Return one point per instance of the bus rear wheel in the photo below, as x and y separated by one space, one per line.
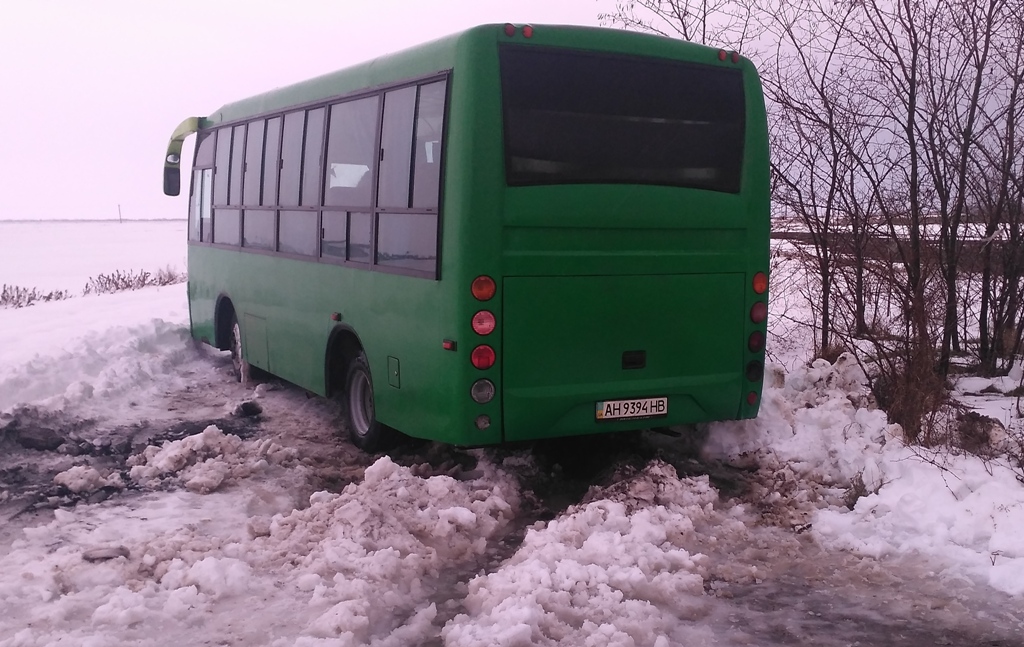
366 432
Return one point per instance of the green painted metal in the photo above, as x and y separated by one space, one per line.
584 272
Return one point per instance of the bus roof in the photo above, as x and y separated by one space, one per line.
440 54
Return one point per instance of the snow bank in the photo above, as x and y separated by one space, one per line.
358 567
817 421
623 569
371 553
819 424
962 509
100 349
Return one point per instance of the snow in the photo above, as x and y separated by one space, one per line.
268 531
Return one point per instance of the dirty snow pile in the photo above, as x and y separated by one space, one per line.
817 434
354 568
201 463
623 569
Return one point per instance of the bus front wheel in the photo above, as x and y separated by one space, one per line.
241 367
366 431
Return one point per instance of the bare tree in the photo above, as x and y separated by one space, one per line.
721 23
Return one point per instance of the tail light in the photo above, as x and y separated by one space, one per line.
755 371
483 322
528 31
759 312
760 283
756 341
482 391
484 288
752 398
483 357
510 29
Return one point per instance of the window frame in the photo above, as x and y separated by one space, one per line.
374 209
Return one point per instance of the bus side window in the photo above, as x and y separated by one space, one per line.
350 153
429 135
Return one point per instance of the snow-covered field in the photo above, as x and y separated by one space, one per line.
150 500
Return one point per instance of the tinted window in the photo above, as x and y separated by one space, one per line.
335 234
258 229
204 149
237 164
427 154
311 157
298 233
291 159
206 206
253 163
351 152
572 117
407 240
195 200
220 178
199 205
396 148
225 226
360 234
271 161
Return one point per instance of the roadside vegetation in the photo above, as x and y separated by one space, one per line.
898 178
13 296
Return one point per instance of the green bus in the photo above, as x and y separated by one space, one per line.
512 233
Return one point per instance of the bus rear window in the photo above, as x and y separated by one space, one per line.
582 118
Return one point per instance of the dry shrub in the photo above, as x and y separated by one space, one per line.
120 281
831 352
14 296
913 393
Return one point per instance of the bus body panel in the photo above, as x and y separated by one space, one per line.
572 341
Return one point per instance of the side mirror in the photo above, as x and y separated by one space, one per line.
172 161
172 180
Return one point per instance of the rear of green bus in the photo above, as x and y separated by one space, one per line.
607 198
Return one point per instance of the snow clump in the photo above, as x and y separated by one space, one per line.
82 478
203 462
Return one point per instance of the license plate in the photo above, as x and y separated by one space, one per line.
631 409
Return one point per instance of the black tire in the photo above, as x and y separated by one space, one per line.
366 432
240 366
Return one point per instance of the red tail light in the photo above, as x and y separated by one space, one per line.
758 312
756 341
484 288
760 283
751 398
735 57
510 29
528 31
482 357
483 322
722 54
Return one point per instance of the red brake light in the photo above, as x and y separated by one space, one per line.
482 357
722 54
483 322
756 341
751 398
483 288
510 29
528 31
735 57
758 312
760 283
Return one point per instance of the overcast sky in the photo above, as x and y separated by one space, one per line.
91 91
